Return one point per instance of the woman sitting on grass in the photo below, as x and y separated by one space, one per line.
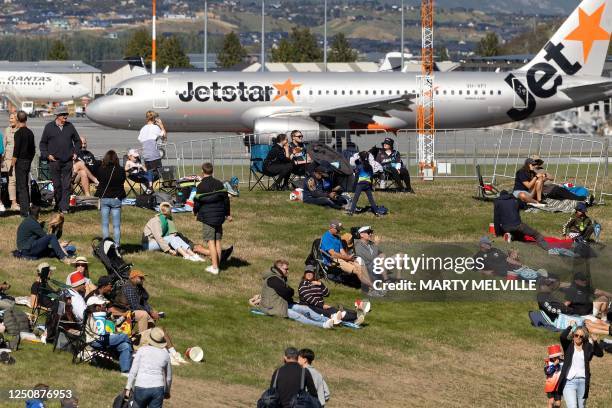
161 233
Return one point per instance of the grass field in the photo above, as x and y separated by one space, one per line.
417 354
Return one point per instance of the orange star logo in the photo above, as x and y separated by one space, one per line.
589 30
286 89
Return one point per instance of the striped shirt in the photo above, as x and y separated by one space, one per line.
311 294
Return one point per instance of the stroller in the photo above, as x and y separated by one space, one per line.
106 251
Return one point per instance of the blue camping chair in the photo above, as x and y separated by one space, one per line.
259 152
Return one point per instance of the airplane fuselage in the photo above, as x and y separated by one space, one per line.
232 102
40 86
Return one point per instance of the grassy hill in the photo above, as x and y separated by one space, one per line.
421 354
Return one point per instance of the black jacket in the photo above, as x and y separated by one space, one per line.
114 178
25 148
276 155
61 143
29 231
589 349
552 306
211 204
505 212
288 382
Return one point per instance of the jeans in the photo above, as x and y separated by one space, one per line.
174 241
22 185
524 229
323 201
350 316
305 315
111 206
149 397
61 176
143 177
40 248
282 172
573 393
121 343
366 188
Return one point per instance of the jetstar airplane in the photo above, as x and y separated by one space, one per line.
40 86
566 73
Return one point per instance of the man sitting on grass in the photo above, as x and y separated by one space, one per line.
586 300
318 191
277 299
34 242
493 259
312 293
135 297
160 233
507 220
334 254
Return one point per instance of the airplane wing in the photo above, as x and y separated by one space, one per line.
367 110
586 92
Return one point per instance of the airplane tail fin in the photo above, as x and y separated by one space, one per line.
580 45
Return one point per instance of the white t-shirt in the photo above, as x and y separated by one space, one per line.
577 368
148 137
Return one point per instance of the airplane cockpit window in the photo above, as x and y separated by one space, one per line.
111 92
120 91
129 92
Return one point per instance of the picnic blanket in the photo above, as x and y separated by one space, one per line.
552 205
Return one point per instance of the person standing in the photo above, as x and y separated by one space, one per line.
150 133
7 162
575 378
60 144
212 209
111 192
305 359
150 376
23 154
288 377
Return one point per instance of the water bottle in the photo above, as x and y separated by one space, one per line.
597 231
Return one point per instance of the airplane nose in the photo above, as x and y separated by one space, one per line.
98 111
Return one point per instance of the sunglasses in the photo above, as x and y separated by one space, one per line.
576 335
80 264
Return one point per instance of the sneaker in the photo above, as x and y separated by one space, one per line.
15 207
197 258
537 205
225 254
329 324
2 209
213 270
125 374
363 305
336 318
230 189
360 318
508 237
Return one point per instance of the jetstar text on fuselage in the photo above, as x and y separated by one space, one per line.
226 93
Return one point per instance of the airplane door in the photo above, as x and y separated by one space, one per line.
57 86
520 94
160 98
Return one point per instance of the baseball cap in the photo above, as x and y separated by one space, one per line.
485 241
96 300
529 160
365 228
104 280
137 272
77 279
133 152
309 269
581 207
537 159
44 265
388 141
61 110
321 169
335 224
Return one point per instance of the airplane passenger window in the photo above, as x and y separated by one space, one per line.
460 92
468 92
327 92
444 92
350 92
310 92
359 92
73 83
335 92
499 92
398 91
343 92
373 92
298 92
366 92
437 92
491 92
453 92
319 92
129 92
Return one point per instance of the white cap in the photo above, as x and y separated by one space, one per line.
96 300
133 152
364 229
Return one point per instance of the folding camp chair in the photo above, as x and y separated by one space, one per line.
133 186
167 180
259 152
485 191
330 272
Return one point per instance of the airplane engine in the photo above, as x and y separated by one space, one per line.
266 128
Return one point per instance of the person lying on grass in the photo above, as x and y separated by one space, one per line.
277 299
312 293
585 299
560 315
160 233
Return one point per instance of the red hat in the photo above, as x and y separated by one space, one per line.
554 351
77 279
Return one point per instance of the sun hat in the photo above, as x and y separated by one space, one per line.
157 338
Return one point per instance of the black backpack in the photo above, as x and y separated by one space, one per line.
270 398
303 399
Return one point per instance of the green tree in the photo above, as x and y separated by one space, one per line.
341 51
58 51
139 44
232 53
301 46
172 54
488 46
442 53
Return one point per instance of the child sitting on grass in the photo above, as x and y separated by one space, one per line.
580 226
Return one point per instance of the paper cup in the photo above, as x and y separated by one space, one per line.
195 354
491 228
100 322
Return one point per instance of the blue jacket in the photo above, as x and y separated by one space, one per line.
505 212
